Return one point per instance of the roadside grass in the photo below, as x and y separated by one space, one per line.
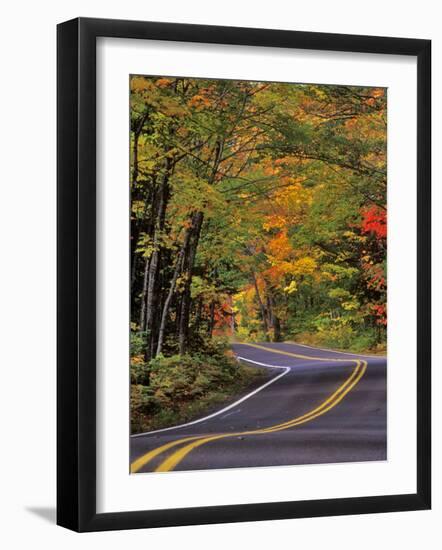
347 340
364 343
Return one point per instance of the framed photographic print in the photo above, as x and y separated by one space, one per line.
225 273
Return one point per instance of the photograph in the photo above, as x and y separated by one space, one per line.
258 269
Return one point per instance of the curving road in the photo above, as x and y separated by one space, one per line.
316 406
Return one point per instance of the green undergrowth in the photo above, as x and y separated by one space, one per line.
343 340
176 389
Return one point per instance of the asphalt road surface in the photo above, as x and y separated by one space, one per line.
316 406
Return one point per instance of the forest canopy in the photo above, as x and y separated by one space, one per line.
258 212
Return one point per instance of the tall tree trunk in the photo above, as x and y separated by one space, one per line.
143 297
269 311
136 227
178 268
274 319
276 329
135 230
152 278
155 260
178 305
133 272
261 306
232 322
211 319
198 313
197 221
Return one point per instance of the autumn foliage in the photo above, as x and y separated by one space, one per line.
374 221
258 212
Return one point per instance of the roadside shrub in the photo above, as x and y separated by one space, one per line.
174 389
340 333
252 333
335 332
142 404
139 371
179 378
137 343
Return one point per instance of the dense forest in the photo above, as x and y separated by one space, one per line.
258 213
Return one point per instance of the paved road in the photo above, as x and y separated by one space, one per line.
317 406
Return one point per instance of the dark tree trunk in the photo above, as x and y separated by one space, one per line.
273 318
143 297
276 324
232 323
133 272
189 260
178 315
211 319
269 311
138 225
261 306
178 268
138 307
154 263
135 225
198 314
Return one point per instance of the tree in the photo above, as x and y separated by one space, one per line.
256 208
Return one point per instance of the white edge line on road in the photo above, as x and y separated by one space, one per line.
232 405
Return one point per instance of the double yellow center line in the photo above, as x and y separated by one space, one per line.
188 444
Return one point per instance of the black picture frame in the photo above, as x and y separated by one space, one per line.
76 272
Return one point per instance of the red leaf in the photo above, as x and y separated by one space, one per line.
374 220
